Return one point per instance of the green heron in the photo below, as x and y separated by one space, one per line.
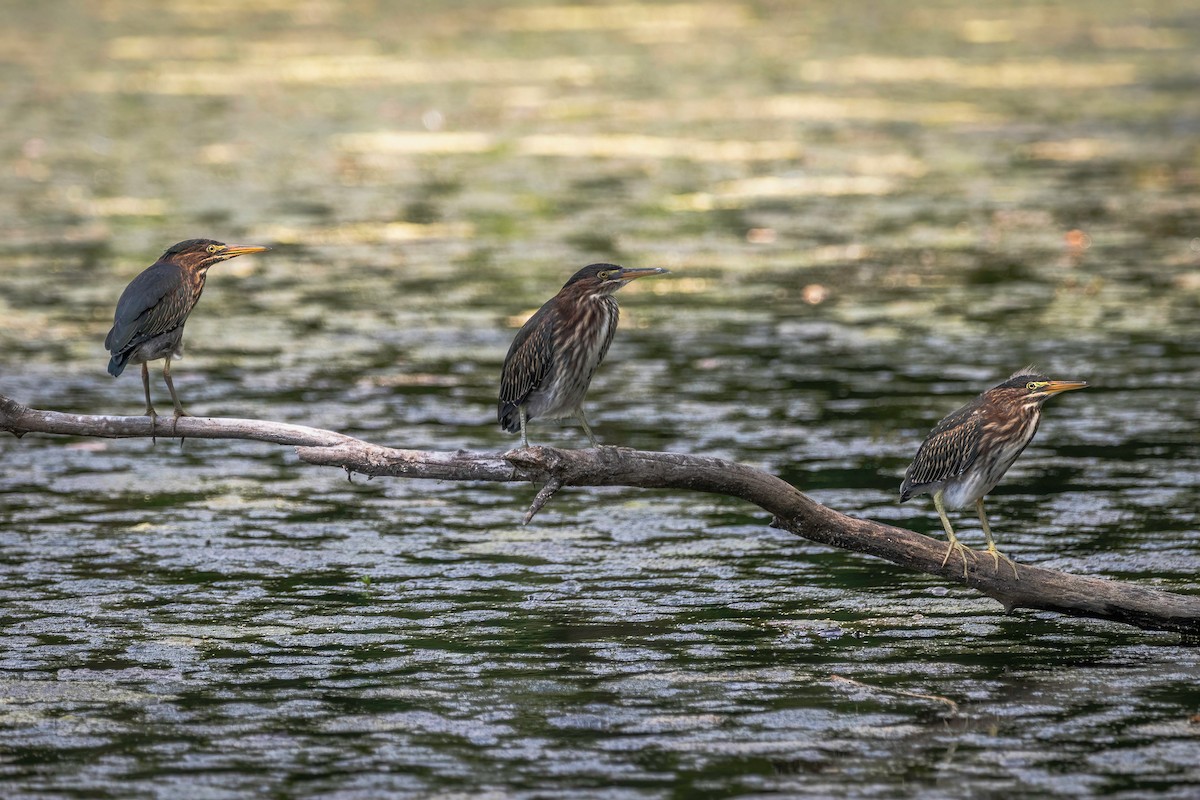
148 324
968 452
555 354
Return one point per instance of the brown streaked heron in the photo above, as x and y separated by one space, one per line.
556 352
967 453
148 323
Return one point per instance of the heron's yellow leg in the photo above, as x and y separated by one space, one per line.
524 421
954 542
991 547
586 429
150 412
179 412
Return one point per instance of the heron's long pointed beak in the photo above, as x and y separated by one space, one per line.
243 250
633 274
1054 387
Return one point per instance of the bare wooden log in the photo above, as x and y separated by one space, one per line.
1037 588
19 420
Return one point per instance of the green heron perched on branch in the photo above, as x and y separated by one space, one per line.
552 359
148 324
968 452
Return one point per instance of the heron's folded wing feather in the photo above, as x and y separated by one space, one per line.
155 302
529 360
949 450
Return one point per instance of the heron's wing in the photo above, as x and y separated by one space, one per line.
949 451
529 361
155 302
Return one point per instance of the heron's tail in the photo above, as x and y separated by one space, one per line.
116 364
509 417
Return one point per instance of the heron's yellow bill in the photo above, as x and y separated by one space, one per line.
631 274
1054 387
243 249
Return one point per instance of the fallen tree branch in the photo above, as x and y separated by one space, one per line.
1037 588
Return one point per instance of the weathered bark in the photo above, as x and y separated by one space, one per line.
1037 588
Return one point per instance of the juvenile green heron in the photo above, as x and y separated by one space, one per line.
551 361
148 324
968 452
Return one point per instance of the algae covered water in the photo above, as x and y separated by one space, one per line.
869 217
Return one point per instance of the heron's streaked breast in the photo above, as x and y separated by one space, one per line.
1003 442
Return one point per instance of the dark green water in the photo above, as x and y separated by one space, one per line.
870 213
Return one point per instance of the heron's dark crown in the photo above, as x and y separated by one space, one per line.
193 254
1022 378
1027 388
590 272
188 246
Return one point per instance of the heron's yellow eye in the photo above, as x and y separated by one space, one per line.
212 248
605 275
1033 386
